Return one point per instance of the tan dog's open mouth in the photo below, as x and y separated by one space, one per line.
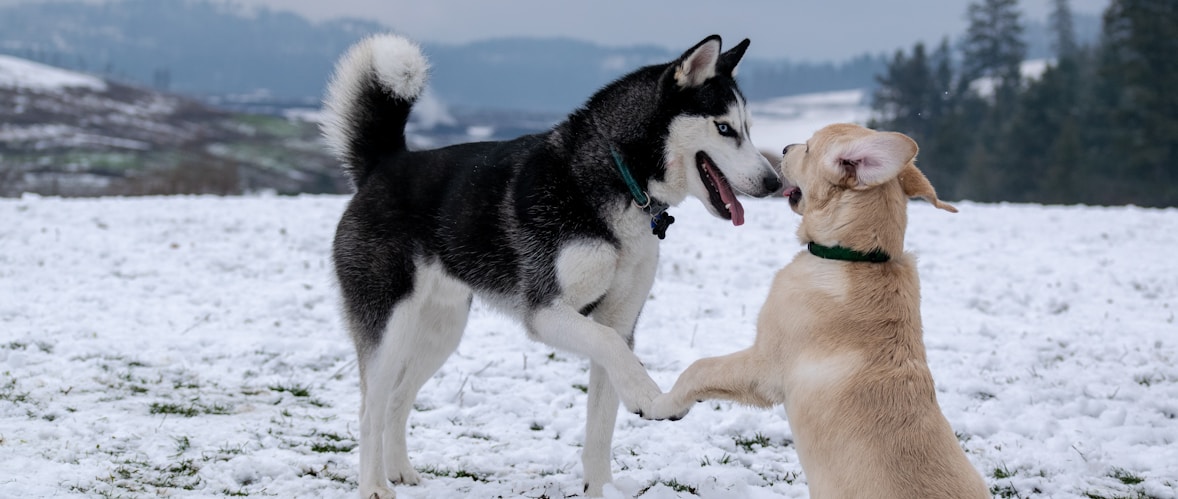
794 193
720 193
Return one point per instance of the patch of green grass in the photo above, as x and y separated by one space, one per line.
582 388
679 487
788 477
1005 491
324 472
217 409
182 475
1126 477
182 445
104 161
334 437
1008 490
20 345
138 477
1002 472
228 450
192 410
725 459
268 125
443 472
332 443
327 448
1136 494
177 409
671 484
1148 380
180 385
748 443
294 389
9 393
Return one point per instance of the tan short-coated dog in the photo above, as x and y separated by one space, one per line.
839 338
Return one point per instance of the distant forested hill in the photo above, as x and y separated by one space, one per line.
206 48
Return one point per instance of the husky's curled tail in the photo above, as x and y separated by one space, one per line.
368 101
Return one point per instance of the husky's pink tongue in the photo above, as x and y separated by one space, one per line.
734 205
727 196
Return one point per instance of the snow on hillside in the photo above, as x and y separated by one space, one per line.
21 73
191 347
1030 70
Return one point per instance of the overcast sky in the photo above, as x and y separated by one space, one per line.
794 29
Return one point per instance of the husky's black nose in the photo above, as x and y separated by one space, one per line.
771 184
786 150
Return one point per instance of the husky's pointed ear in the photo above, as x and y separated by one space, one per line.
695 66
916 185
730 58
872 159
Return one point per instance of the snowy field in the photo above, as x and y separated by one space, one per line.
191 347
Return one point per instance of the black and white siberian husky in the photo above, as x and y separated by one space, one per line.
559 230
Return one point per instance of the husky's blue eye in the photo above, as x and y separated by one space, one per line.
725 129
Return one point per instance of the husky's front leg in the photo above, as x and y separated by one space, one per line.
601 416
615 372
563 327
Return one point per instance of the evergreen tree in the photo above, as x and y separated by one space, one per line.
949 136
993 48
1139 108
1063 28
1100 125
905 93
1044 139
993 45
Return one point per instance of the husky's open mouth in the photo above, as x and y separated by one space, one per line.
720 194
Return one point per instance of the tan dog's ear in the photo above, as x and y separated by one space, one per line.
916 185
873 159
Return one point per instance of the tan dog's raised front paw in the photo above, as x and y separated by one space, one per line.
666 406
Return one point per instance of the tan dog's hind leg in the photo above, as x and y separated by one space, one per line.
737 377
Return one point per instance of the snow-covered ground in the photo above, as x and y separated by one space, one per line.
191 347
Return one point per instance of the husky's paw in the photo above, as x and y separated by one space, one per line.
377 493
640 396
665 406
404 475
